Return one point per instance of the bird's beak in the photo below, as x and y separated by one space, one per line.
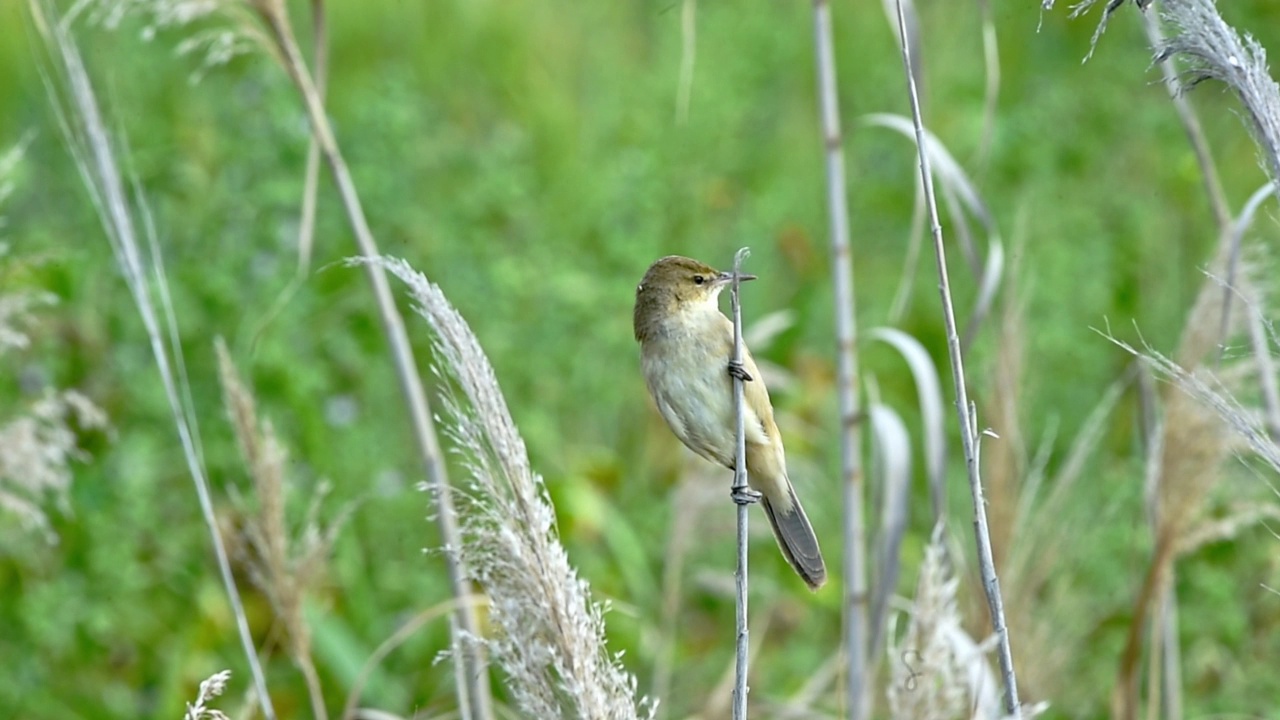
726 278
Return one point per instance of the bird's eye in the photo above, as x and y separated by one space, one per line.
698 279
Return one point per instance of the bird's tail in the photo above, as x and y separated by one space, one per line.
796 539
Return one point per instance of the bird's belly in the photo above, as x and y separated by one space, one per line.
694 393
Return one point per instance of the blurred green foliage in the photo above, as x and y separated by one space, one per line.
527 157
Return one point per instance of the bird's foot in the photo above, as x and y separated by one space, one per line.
737 370
745 495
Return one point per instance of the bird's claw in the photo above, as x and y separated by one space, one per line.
745 495
737 370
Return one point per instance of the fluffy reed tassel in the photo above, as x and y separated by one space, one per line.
548 633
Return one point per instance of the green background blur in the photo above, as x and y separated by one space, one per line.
528 158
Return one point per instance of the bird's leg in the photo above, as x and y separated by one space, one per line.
737 370
745 495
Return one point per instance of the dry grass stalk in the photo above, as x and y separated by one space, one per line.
1046 612
311 182
1196 436
1263 341
1203 427
963 202
1030 536
283 568
1242 517
1006 458
548 633
1191 452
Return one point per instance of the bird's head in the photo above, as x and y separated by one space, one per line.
673 285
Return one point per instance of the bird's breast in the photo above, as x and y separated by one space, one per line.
690 384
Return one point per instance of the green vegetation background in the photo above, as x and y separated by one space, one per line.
526 156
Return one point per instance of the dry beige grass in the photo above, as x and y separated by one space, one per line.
284 568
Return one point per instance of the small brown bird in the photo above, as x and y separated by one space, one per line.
686 344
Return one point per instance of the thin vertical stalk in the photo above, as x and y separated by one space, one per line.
855 543
965 411
741 496
470 673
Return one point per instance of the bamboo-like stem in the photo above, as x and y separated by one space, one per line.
740 492
469 666
966 413
855 542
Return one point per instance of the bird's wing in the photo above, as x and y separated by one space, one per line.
761 429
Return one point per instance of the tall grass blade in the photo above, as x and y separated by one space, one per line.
72 96
929 393
893 455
